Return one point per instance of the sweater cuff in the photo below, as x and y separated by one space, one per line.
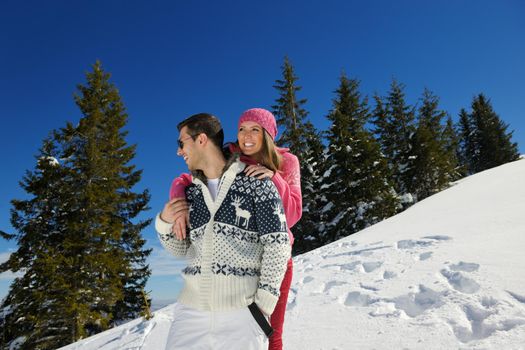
162 227
266 301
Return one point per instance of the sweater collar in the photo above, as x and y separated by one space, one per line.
233 167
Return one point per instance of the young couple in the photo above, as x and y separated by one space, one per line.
238 204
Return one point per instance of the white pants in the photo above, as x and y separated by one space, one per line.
218 330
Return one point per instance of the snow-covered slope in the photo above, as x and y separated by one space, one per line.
447 273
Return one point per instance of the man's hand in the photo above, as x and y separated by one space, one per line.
259 171
176 212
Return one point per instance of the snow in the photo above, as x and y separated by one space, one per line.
447 273
328 172
51 160
406 198
17 343
327 207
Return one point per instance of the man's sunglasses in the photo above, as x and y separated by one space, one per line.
181 141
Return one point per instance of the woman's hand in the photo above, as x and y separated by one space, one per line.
179 227
259 171
176 212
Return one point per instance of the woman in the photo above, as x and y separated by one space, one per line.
257 130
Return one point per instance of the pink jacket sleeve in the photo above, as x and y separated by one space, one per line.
288 183
178 186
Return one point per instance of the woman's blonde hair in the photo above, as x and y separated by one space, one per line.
268 155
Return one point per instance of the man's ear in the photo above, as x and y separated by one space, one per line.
202 139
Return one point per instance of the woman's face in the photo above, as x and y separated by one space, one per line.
250 137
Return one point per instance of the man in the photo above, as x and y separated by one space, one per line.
236 246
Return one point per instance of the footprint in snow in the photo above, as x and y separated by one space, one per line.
332 284
308 268
425 256
460 283
424 242
372 266
350 266
413 304
336 267
307 279
479 328
464 266
389 275
518 297
344 267
438 238
416 303
489 302
411 244
358 299
372 288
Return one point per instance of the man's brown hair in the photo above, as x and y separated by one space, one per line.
204 123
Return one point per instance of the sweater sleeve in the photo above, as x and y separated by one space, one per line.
168 239
179 184
271 225
288 183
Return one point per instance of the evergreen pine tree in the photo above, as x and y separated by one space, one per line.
432 164
492 141
382 128
452 149
300 136
289 111
394 126
34 313
82 257
467 144
310 228
357 191
109 153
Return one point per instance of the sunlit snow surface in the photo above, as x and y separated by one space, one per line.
448 273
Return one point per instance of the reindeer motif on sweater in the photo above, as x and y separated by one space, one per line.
240 214
279 211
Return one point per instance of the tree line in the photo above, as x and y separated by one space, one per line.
377 159
81 255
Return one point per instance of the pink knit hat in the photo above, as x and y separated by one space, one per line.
262 117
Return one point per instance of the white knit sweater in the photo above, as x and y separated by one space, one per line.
237 246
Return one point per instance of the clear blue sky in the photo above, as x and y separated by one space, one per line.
172 59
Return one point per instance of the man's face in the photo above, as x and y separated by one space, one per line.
186 148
